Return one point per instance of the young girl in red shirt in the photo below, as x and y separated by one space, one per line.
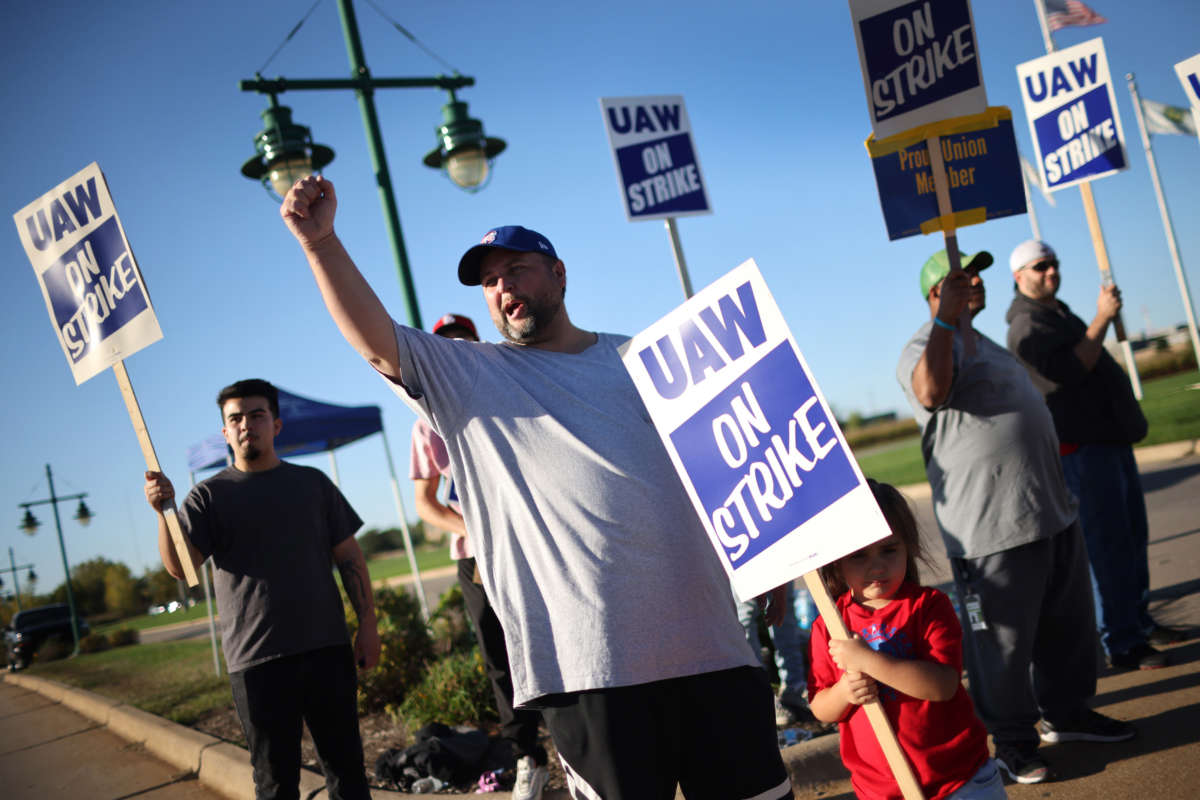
906 651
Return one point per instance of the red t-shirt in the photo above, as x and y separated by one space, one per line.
944 741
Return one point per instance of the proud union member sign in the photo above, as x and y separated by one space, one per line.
93 289
751 436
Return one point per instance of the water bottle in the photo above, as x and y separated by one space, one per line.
804 608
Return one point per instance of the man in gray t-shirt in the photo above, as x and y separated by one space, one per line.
1009 525
616 611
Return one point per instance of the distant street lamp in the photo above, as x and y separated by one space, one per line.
285 151
12 568
30 524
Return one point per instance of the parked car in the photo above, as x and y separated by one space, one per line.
29 628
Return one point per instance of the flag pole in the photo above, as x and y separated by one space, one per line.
1041 14
1180 277
1033 220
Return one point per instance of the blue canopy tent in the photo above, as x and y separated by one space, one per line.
311 426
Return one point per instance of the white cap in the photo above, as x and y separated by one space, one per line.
1029 251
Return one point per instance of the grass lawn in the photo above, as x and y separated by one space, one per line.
1172 409
427 558
144 621
393 565
174 680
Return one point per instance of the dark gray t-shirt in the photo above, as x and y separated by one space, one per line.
991 453
270 535
594 559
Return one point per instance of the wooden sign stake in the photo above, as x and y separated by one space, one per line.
941 185
890 745
143 436
1106 278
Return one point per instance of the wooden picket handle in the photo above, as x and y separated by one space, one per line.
941 186
888 742
143 436
1106 278
1093 221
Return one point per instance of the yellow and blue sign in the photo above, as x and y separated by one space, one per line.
982 168
1072 112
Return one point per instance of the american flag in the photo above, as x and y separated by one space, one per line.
1065 13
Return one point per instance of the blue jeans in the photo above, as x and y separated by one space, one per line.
986 784
791 642
1112 512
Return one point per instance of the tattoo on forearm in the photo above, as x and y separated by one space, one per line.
356 584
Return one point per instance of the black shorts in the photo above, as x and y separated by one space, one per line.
713 734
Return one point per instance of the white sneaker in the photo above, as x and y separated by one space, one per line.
531 779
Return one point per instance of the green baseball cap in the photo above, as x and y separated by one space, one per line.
938 267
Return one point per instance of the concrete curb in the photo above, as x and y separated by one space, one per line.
225 768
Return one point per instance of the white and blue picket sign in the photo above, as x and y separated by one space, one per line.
93 290
657 166
750 434
1072 112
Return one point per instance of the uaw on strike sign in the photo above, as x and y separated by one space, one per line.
920 62
751 436
1073 115
656 160
93 289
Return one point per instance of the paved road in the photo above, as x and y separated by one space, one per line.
1163 763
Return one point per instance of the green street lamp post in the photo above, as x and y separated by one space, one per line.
30 523
286 152
12 569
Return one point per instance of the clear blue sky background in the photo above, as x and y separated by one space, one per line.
774 92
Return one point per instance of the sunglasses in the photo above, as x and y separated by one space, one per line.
1042 266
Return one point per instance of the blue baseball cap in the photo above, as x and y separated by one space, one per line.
506 237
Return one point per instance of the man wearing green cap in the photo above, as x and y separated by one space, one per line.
1010 527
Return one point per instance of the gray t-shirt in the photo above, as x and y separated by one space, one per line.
271 536
991 453
593 558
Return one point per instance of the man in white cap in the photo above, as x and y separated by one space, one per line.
1097 419
1009 526
616 611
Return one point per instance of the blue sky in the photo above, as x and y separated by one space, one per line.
774 93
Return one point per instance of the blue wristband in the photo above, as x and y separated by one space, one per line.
942 323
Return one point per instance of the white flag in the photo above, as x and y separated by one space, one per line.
1034 179
1162 118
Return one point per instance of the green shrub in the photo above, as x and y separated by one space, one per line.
94 643
455 691
405 649
55 647
123 637
449 626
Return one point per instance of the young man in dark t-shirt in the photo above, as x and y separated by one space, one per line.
273 530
